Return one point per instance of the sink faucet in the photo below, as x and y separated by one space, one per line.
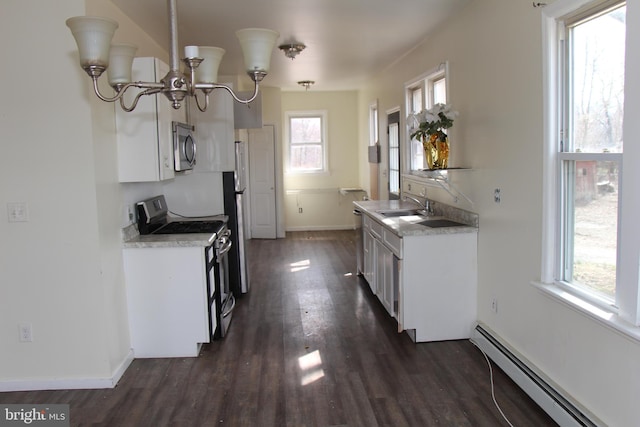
427 203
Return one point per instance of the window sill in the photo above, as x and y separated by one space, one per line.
606 318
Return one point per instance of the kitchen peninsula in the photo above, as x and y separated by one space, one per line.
422 266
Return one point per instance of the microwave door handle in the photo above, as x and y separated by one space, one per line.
192 148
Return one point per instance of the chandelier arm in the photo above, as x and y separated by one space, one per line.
134 104
122 88
211 86
206 101
118 95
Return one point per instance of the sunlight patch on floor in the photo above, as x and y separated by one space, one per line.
300 265
311 366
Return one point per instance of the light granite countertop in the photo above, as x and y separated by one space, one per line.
131 238
409 225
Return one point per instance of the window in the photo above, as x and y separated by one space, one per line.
393 122
373 124
424 92
585 152
307 145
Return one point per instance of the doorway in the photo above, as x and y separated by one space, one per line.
262 182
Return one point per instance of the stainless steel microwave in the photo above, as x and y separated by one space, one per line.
184 147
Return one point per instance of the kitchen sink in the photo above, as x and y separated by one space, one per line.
399 212
438 223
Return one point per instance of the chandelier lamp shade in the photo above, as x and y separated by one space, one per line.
97 54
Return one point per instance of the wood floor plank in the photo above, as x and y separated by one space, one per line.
310 345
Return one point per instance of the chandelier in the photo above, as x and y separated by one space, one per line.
93 36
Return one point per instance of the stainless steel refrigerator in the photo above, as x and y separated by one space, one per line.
234 186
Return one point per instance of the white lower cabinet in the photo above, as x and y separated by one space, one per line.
167 300
369 259
385 276
427 282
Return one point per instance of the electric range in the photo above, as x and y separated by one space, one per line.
153 219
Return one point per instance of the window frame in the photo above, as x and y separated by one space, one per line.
394 174
425 83
374 123
624 315
323 116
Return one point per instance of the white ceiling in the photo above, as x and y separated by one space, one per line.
347 40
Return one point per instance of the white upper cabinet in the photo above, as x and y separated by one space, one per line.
145 141
214 133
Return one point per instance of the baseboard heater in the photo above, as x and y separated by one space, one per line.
561 409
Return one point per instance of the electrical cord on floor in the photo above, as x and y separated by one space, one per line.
493 394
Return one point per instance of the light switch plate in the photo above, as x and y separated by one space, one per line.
18 211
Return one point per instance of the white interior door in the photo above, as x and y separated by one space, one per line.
262 182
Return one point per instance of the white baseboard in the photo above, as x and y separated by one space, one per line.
321 228
68 383
554 401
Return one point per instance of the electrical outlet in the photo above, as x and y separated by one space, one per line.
25 332
299 210
496 195
494 305
18 211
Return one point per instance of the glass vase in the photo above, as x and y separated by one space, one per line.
430 147
436 151
442 148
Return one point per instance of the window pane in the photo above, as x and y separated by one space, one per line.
592 215
306 129
440 91
306 157
597 60
416 100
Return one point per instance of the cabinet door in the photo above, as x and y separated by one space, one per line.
167 300
214 133
145 139
369 260
379 267
385 277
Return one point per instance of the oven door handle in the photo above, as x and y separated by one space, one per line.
226 247
227 310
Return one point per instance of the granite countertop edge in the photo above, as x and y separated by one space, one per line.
131 238
403 227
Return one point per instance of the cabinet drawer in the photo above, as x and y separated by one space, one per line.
393 242
376 229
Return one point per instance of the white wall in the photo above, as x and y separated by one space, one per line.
61 271
494 49
342 118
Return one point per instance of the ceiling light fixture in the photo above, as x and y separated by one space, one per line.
291 50
93 36
306 83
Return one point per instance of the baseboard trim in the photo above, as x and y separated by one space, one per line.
554 401
321 228
69 383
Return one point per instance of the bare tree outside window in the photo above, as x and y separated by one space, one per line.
306 144
596 106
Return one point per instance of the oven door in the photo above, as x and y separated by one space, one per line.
225 303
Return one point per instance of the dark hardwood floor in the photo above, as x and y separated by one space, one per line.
308 346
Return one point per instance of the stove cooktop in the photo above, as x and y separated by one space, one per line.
187 227
153 219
